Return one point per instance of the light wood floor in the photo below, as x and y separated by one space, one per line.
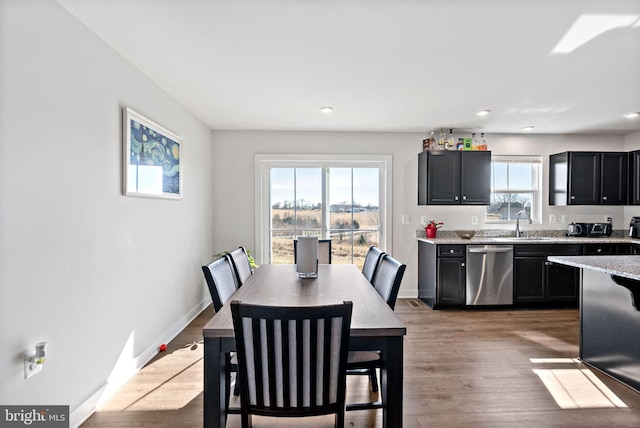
461 369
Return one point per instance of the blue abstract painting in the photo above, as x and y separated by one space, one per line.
153 162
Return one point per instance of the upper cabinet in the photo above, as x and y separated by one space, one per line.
634 178
588 178
454 177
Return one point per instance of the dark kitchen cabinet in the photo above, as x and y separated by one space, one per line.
588 178
450 288
451 177
606 249
538 282
634 178
441 274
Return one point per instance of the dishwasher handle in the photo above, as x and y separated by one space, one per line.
490 250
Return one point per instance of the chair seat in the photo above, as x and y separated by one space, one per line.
363 357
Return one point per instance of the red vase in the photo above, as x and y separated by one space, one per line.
431 231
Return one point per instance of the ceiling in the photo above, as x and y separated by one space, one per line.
384 65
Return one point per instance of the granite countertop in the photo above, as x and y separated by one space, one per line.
528 240
624 266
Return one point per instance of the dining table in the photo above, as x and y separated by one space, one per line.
374 326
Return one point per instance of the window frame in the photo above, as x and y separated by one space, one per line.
536 200
264 163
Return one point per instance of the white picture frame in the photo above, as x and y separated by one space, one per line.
152 158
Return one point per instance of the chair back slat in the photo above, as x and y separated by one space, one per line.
388 278
292 360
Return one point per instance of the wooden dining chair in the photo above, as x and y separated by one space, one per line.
241 265
324 251
371 262
222 284
221 280
386 281
292 360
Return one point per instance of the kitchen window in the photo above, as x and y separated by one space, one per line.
342 198
515 186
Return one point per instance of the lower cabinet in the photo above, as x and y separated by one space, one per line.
450 288
441 275
538 282
604 249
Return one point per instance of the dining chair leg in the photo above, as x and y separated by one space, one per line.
373 379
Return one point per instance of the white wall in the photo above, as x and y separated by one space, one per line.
235 158
103 278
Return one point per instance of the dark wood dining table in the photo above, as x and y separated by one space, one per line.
374 326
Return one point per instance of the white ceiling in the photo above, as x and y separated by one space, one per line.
384 65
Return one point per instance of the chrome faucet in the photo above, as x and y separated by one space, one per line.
518 221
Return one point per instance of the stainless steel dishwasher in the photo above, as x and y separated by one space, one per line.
489 275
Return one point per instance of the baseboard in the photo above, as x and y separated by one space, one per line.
106 391
407 294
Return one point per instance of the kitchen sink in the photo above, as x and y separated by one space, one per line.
523 238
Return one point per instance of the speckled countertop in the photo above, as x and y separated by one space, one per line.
625 266
528 240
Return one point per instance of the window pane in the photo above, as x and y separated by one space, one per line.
520 176
499 176
505 206
282 191
281 247
309 198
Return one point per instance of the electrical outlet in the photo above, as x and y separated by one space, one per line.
474 219
552 218
406 219
607 217
563 219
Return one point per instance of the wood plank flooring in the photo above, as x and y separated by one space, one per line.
462 369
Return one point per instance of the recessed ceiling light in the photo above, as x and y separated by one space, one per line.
632 115
483 112
326 110
528 128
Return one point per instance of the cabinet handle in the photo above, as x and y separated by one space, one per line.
462 264
452 251
604 198
599 250
464 197
456 198
572 197
548 263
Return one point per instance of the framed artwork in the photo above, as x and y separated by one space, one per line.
152 158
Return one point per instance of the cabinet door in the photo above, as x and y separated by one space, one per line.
584 178
562 282
634 178
613 181
451 282
475 178
529 279
443 178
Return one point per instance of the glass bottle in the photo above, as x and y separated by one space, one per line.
483 142
474 142
441 139
451 142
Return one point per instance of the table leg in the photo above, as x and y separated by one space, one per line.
215 384
391 382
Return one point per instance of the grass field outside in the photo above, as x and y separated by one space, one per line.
351 233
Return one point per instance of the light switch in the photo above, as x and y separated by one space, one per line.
406 219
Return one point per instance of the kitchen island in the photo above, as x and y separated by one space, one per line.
609 314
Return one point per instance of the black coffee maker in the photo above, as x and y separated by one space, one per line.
634 227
